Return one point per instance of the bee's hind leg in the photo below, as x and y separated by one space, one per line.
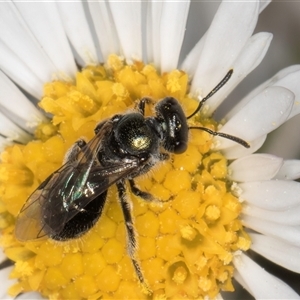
131 234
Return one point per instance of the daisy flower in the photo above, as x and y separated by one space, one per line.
65 67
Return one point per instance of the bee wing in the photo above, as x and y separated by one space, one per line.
68 190
58 190
99 180
30 224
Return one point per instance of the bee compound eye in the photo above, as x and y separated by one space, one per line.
174 123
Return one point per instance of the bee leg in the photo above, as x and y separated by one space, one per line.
136 191
142 103
224 135
74 150
144 195
131 235
99 126
163 156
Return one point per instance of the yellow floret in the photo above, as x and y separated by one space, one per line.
178 180
54 278
72 265
180 275
85 285
108 280
188 232
185 239
112 251
147 224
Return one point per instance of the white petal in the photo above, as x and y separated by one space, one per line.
154 16
16 35
31 296
263 4
262 285
291 82
289 78
12 131
277 251
78 31
272 194
155 9
289 234
44 21
255 167
249 58
105 28
241 281
5 283
189 65
172 28
282 78
128 20
166 22
147 33
12 99
267 111
19 72
4 142
223 42
219 297
2 257
290 170
237 150
289 216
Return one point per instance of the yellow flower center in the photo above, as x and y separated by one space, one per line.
185 243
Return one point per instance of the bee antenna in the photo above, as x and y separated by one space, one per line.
214 90
224 135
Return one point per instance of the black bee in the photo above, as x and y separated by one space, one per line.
70 201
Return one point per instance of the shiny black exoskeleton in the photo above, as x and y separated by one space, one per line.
134 136
71 200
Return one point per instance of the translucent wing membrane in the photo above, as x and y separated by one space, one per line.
69 190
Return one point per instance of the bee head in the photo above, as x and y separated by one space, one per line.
173 124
